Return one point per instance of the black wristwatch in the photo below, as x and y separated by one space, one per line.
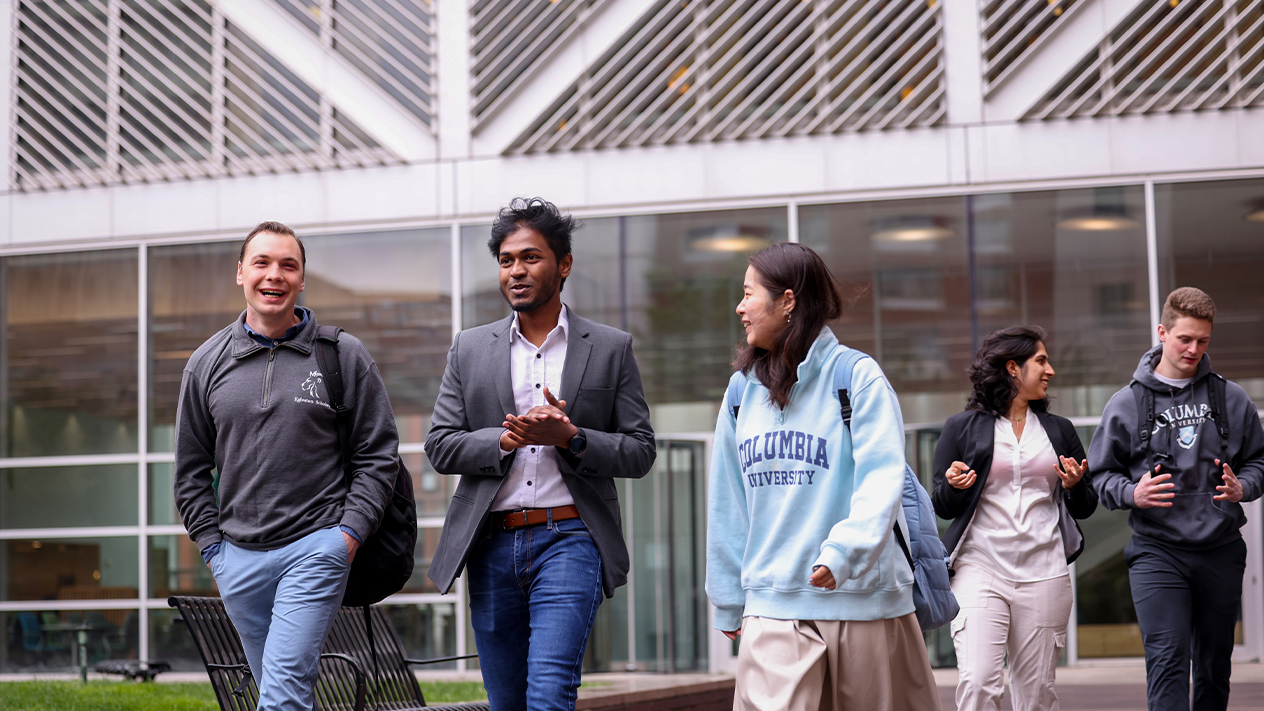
578 443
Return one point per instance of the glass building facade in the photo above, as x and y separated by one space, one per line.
93 343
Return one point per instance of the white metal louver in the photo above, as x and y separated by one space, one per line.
705 70
1166 56
1013 30
389 41
126 91
510 38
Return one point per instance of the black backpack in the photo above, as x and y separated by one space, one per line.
384 562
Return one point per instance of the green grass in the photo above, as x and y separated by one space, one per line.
130 696
452 691
105 696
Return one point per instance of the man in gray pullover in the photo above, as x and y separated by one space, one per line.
1162 453
280 527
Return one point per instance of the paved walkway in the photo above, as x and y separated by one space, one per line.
1119 686
1108 686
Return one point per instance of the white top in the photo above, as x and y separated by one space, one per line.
1014 533
1177 383
534 481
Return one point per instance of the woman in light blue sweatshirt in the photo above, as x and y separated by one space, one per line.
801 556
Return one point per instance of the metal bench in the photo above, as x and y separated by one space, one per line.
351 678
133 669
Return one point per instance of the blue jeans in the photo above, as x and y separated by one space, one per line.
1187 606
534 592
283 603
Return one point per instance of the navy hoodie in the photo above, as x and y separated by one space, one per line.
1185 444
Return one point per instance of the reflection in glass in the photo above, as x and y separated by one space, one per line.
1211 235
54 497
41 641
172 642
481 301
393 291
933 276
68 352
176 568
193 293
427 631
162 501
100 568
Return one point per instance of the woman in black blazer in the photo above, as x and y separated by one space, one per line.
1012 478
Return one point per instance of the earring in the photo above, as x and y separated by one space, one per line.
787 317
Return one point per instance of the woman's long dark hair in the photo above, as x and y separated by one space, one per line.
817 301
994 387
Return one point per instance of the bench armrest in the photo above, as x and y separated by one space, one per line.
361 680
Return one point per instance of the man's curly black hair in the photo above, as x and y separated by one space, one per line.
540 215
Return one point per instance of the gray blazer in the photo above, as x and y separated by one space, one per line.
602 389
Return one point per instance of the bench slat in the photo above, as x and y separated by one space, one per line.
391 685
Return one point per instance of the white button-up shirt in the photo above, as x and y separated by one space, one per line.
1014 532
534 481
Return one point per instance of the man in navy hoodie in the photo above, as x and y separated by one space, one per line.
1181 447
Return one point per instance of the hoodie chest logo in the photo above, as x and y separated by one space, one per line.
1186 436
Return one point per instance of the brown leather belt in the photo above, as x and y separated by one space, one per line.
534 517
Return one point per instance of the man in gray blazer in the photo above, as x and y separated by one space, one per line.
535 517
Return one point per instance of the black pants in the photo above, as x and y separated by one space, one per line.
1187 604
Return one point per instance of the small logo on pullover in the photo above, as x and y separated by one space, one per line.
314 379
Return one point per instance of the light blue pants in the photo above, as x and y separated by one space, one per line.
283 603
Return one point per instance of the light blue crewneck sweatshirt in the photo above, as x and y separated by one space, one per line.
789 490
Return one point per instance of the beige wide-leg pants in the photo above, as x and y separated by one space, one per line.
1026 620
831 665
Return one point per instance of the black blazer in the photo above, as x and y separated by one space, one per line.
969 437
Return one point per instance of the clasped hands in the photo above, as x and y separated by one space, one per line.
961 476
1157 490
545 425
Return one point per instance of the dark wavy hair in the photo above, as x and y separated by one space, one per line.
817 301
994 387
540 215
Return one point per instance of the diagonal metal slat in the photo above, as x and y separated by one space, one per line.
701 71
1164 57
124 91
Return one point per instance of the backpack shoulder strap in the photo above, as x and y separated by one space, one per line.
842 382
1219 412
737 389
1145 419
331 372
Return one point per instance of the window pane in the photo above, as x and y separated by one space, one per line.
172 642
427 631
162 501
393 291
176 568
905 264
684 280
45 641
71 569
68 348
55 497
481 301
1071 261
1211 235
192 294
